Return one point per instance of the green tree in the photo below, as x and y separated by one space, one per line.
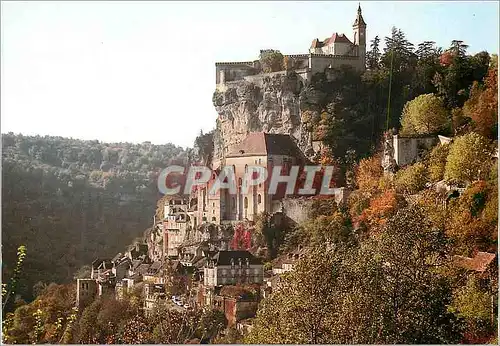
468 159
271 60
424 115
373 56
437 162
411 179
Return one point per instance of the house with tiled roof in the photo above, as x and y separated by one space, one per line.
266 150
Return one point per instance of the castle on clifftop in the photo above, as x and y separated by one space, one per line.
332 52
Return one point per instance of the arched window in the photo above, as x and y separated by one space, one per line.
246 202
246 168
259 198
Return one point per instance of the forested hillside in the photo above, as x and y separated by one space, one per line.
70 201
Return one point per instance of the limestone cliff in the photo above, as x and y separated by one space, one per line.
268 103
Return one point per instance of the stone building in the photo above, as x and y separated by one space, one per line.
86 291
176 223
231 268
332 52
257 149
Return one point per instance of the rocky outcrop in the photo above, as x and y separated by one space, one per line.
268 103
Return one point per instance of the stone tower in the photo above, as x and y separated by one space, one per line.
359 28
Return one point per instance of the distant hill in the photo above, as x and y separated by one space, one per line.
70 201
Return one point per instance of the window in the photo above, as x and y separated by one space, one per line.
260 161
246 202
246 168
213 204
204 218
259 198
213 218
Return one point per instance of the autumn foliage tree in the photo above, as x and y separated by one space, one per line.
482 105
242 237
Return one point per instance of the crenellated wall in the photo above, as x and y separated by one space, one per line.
305 65
319 62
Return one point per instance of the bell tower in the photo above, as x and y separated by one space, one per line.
359 28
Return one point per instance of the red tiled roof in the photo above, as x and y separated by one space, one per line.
335 38
263 144
479 263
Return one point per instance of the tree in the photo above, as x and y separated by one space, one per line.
473 302
386 290
373 56
271 60
368 174
424 115
412 295
472 221
381 208
411 179
437 162
482 105
467 158
301 310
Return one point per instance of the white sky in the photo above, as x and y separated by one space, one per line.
145 71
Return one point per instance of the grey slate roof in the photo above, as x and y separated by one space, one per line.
224 257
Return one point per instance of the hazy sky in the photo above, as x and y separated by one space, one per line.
145 71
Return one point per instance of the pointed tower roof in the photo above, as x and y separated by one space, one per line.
359 18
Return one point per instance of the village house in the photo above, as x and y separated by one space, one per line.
286 262
229 268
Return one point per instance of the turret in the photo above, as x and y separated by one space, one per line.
359 28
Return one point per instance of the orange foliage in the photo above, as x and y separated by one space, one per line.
381 209
446 58
368 174
467 224
326 157
482 106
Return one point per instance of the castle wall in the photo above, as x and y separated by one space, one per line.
232 71
409 149
318 63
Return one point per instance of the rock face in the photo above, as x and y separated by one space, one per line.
262 103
